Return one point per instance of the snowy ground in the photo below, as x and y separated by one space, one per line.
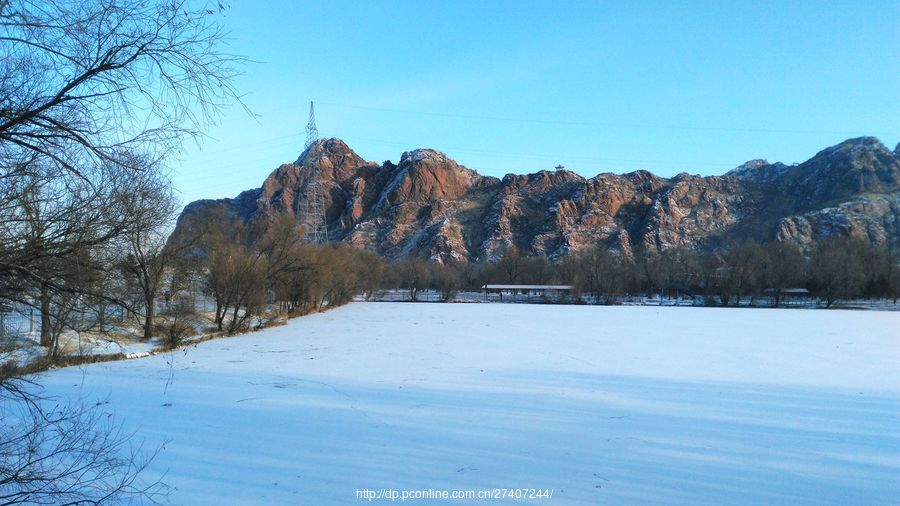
25 347
603 405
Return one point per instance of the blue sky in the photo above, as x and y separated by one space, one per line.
518 86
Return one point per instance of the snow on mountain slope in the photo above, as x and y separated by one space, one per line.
604 405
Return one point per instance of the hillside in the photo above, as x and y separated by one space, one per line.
428 205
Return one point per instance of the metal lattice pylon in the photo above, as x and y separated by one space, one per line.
314 209
312 133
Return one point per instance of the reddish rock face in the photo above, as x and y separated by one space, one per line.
430 206
425 175
330 161
354 208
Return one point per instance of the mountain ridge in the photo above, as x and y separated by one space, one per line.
429 205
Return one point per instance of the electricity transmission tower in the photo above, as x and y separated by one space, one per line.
312 133
314 219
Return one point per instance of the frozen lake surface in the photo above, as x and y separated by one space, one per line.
603 405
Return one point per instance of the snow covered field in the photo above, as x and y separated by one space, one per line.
603 405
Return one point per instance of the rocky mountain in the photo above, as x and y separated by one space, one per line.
430 206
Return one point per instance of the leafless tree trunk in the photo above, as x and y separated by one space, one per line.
45 315
152 205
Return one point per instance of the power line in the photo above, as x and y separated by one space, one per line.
587 123
544 156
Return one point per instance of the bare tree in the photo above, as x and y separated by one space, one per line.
654 269
87 87
55 238
70 453
152 207
892 272
414 275
236 280
743 262
470 273
511 264
601 273
783 267
446 280
838 269
86 81
537 269
240 275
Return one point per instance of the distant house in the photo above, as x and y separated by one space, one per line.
552 291
788 292
789 296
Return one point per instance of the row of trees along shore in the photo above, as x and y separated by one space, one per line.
835 269
253 273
